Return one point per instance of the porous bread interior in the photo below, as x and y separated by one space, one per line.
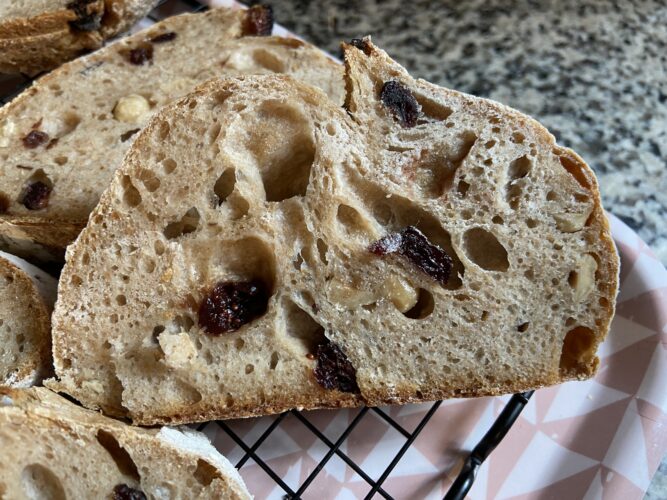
263 178
54 449
25 328
28 8
75 105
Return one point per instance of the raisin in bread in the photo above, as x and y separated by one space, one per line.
38 35
263 249
27 295
54 449
62 139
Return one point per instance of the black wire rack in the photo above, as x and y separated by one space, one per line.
10 86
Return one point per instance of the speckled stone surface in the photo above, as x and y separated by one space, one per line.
594 72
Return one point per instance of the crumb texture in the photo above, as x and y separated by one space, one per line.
497 271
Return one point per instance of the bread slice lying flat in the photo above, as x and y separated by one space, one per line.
27 295
62 139
263 249
54 449
38 35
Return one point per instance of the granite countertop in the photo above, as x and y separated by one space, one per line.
595 73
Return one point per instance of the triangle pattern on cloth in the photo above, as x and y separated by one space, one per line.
644 276
594 491
554 464
623 333
629 436
578 398
654 386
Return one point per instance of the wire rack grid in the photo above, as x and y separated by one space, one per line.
10 86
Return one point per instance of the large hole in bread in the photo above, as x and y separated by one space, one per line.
120 456
225 185
268 60
434 172
352 223
278 142
483 248
517 170
433 109
131 195
185 225
40 483
578 349
302 328
424 306
575 167
205 473
245 259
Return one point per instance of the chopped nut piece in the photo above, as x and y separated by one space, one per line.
400 292
131 109
7 129
347 296
585 277
570 223
179 350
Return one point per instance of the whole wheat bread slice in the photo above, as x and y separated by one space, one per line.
39 35
262 249
53 449
70 130
27 295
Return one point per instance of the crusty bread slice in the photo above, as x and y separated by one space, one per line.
27 295
261 249
68 132
53 449
38 35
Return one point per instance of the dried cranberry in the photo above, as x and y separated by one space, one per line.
35 138
4 203
333 370
140 55
258 21
232 304
414 246
401 102
124 492
164 37
36 195
85 21
362 44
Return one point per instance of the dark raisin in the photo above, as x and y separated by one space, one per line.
401 102
164 37
414 246
4 203
362 44
35 138
85 21
232 304
124 492
36 195
140 55
258 21
333 370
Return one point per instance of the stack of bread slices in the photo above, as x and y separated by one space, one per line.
250 227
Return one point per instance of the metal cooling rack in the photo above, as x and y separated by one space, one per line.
11 86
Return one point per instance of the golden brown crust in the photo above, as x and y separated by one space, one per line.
43 42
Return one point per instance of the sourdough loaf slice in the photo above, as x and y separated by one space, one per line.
62 139
54 449
27 295
261 249
38 35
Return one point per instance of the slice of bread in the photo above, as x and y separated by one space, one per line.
54 449
27 295
69 132
39 35
261 249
